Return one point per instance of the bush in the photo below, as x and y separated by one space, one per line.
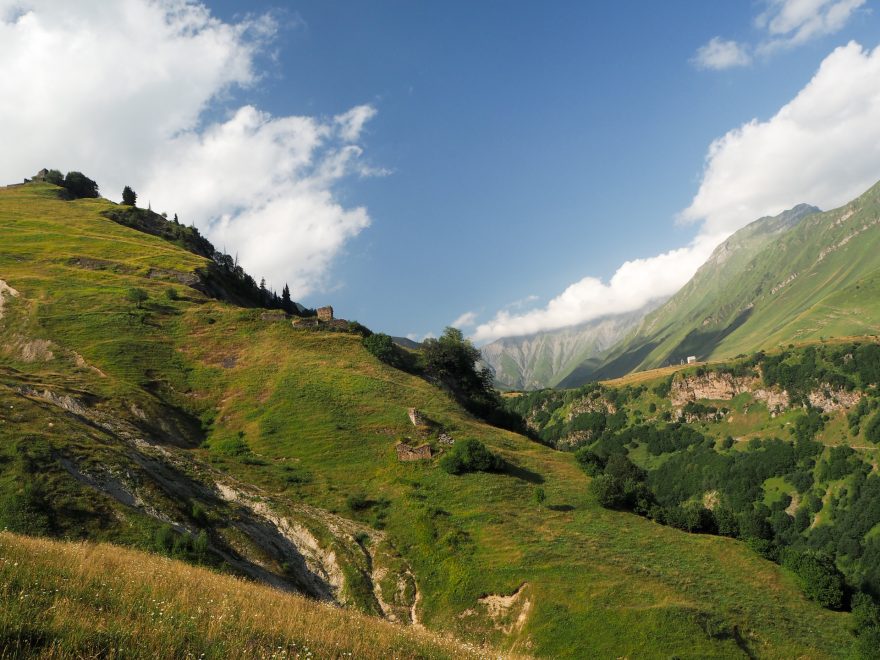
590 462
137 295
819 577
608 491
470 455
383 348
872 430
172 294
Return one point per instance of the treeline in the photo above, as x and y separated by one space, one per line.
77 184
452 363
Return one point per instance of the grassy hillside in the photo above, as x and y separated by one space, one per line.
75 600
227 437
798 276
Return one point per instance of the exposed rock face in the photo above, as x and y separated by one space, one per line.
716 386
591 404
827 399
723 387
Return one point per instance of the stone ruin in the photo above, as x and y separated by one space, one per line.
325 313
41 175
417 418
407 454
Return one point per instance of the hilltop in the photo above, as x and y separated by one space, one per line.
222 435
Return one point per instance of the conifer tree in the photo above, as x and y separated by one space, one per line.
286 304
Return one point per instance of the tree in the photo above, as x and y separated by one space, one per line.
129 197
55 177
79 185
137 296
382 346
470 455
452 361
286 303
819 576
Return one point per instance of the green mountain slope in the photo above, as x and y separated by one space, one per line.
225 436
801 275
704 303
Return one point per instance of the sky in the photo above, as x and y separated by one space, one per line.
506 167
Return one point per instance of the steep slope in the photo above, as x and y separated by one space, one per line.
801 275
77 600
546 358
228 437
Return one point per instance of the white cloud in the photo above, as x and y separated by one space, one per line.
466 320
820 148
784 24
127 92
635 284
793 22
721 54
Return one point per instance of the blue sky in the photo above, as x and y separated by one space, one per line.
515 148
530 144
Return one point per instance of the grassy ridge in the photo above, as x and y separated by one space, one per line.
308 420
74 600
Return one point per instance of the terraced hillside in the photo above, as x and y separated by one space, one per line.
798 276
225 436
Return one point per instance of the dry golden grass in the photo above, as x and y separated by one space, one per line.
66 600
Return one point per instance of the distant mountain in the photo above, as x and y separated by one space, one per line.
545 359
405 342
800 275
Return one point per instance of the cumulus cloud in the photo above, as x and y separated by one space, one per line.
819 148
721 54
137 92
633 285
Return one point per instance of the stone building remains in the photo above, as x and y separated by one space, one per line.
407 454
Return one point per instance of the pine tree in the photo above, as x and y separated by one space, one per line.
129 197
286 304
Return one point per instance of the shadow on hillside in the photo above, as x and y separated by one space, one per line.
617 367
564 508
521 473
702 343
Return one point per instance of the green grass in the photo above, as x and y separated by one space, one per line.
307 419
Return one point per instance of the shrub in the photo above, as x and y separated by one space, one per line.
172 294
383 348
819 576
470 455
608 491
590 462
137 295
872 430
